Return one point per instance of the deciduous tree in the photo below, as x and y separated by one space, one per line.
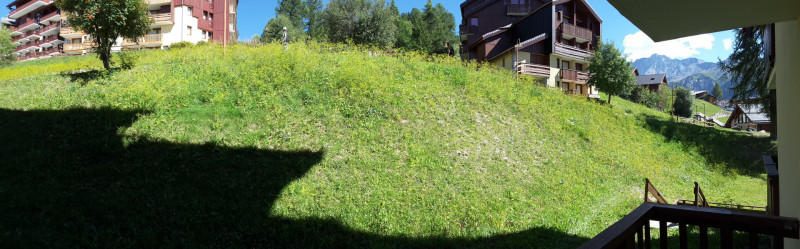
683 102
107 20
6 47
609 71
360 21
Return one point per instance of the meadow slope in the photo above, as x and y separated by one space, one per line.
327 145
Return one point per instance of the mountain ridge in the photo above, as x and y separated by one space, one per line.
692 73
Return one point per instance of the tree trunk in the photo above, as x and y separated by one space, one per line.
609 99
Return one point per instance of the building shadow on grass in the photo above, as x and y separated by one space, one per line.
67 180
741 153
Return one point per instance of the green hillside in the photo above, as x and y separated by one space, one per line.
329 146
706 108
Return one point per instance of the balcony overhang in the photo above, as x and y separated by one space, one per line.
16 33
51 19
22 12
657 18
28 27
49 32
7 21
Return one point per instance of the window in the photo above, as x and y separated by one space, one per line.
154 31
210 16
473 21
578 67
210 35
188 10
205 15
189 30
565 64
204 34
514 1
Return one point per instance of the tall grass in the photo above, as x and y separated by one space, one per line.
413 146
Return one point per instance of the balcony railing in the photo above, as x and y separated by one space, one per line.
152 39
72 47
574 75
145 40
26 5
161 18
571 51
569 31
51 15
533 70
517 9
634 229
467 29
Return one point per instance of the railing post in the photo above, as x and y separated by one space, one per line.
703 237
726 236
647 233
662 227
683 235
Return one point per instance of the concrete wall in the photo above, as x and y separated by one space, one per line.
787 61
179 31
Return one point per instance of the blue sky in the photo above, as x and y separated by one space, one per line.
254 14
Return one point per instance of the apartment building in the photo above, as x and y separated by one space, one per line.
41 31
547 39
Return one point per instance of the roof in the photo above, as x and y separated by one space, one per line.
521 45
754 113
651 79
699 92
657 18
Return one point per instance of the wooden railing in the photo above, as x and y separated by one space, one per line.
574 75
575 31
650 190
77 46
633 230
773 196
151 39
165 17
533 69
517 9
466 29
571 51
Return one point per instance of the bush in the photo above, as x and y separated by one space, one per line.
636 94
683 102
127 60
180 45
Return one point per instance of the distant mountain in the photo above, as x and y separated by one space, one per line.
691 73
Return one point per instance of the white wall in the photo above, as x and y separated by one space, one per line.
178 31
787 61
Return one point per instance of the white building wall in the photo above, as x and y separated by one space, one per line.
179 32
787 61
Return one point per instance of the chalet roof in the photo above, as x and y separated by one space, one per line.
523 44
699 92
651 79
753 112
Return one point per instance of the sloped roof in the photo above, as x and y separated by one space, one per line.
651 79
754 113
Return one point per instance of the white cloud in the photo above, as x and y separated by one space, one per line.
639 45
727 44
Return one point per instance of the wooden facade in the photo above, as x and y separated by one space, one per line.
554 34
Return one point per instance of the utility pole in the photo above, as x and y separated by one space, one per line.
225 28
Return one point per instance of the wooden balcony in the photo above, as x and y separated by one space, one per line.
146 41
154 2
569 32
633 230
517 9
69 32
77 48
161 19
570 75
570 51
534 70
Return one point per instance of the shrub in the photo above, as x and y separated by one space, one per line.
180 45
636 94
127 60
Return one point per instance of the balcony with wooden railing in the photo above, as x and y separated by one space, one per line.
569 31
571 75
73 48
633 231
517 9
161 19
70 32
146 41
534 70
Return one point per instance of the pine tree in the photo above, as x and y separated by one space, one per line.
717 92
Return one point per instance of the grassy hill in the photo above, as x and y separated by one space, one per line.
330 146
706 108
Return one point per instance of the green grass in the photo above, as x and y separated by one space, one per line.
724 119
327 146
706 108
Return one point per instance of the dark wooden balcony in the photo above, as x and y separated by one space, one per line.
517 9
467 29
574 76
633 231
569 32
571 51
534 70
